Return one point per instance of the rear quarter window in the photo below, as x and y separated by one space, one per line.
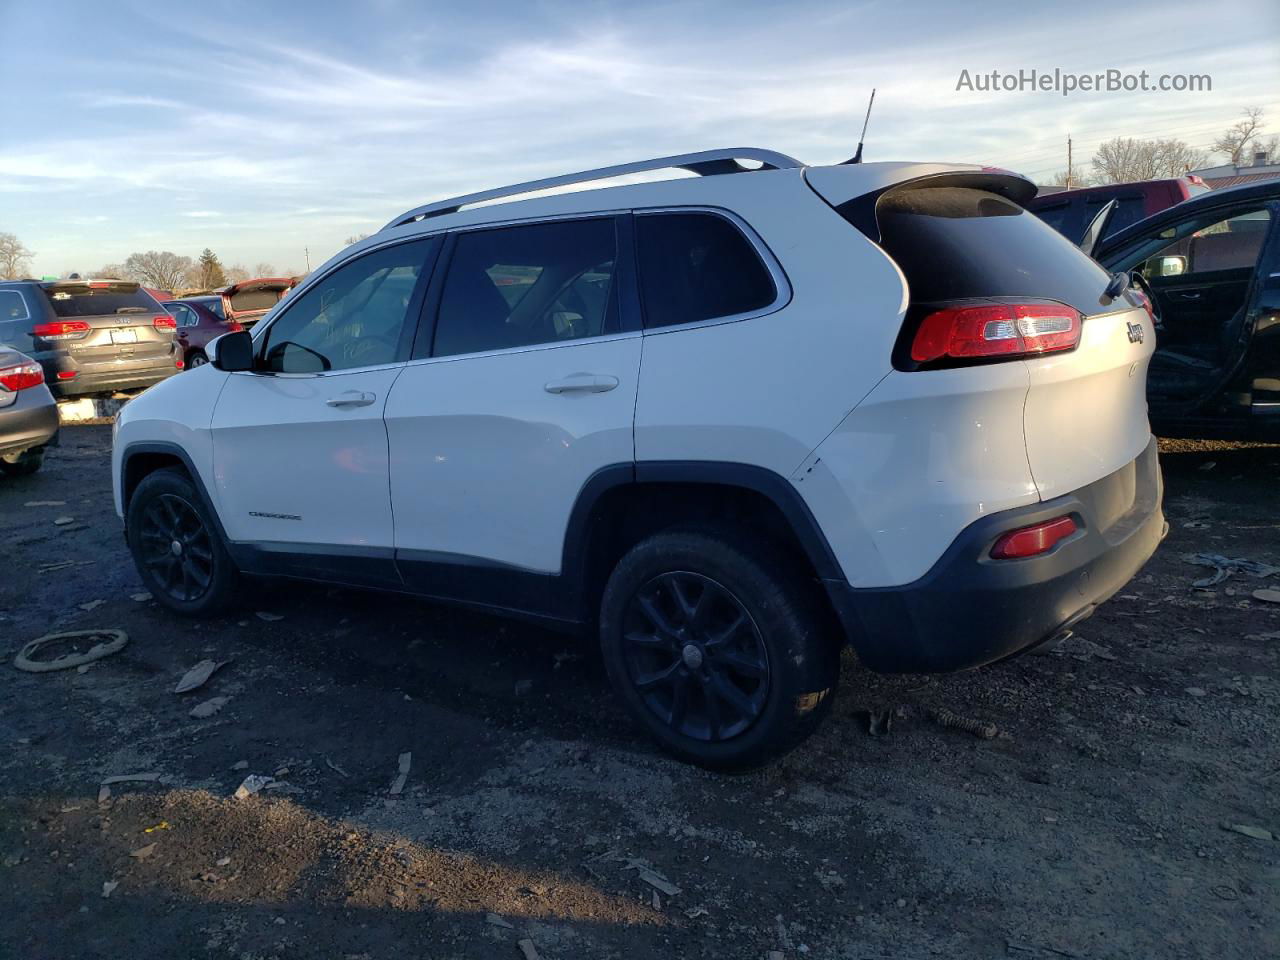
960 243
85 301
698 266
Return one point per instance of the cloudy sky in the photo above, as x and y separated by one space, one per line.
261 129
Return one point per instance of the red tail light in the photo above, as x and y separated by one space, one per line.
235 326
164 322
67 374
21 376
996 331
61 330
1034 540
179 363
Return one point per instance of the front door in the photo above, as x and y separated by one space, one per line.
526 389
299 444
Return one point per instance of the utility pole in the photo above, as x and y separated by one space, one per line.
1070 175
307 253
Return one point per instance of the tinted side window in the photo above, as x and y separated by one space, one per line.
184 315
353 317
15 320
698 266
518 286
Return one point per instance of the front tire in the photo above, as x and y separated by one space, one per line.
717 648
177 548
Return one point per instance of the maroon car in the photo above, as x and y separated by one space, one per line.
198 323
1071 211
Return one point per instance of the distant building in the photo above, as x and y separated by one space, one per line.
1231 175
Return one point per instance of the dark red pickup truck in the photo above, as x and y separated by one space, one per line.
1071 211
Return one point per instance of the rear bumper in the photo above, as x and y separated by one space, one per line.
27 425
97 382
969 610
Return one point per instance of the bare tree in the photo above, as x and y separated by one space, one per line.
15 258
1235 140
160 269
1124 159
1072 179
355 238
112 271
236 273
264 269
1270 147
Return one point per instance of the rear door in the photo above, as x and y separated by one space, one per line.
524 386
107 327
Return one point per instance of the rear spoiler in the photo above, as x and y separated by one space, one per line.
856 198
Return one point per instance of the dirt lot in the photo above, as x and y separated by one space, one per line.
1091 826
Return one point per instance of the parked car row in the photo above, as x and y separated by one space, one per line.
94 337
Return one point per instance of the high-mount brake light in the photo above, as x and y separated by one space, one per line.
1002 331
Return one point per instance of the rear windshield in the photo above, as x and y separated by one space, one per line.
958 243
86 301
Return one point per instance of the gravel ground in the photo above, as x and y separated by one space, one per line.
1091 825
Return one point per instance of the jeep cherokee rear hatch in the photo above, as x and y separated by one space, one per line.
990 283
108 329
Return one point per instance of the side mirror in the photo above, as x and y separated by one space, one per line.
1170 266
232 352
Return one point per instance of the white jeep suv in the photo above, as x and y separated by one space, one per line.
729 421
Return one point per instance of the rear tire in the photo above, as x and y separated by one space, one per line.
196 358
24 465
717 647
177 548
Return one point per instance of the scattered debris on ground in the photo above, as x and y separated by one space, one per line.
397 784
209 707
979 728
199 675
105 643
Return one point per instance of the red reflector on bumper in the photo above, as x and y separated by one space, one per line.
1030 541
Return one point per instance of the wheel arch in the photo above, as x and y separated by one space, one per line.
139 460
624 503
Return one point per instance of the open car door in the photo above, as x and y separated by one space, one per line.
1204 276
1097 228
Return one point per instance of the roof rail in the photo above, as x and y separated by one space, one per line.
705 163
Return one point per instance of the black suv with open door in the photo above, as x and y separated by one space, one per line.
1211 266
92 337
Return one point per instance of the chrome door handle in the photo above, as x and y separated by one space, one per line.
1189 296
352 398
582 383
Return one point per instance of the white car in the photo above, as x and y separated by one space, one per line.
730 421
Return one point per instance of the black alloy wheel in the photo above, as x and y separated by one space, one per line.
175 547
695 656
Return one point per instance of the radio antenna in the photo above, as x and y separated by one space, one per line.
857 157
